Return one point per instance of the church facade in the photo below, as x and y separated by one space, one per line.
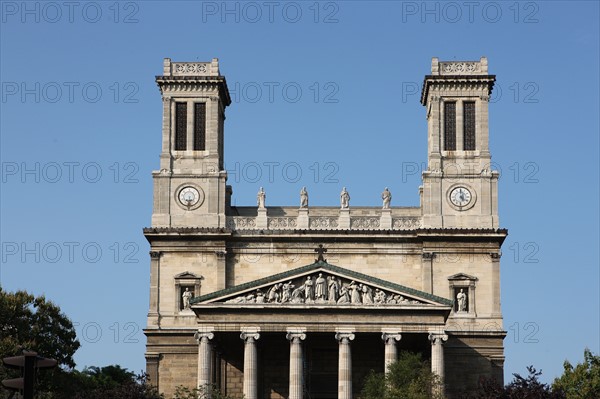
270 302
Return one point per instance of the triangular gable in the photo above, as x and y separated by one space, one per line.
462 276
275 289
187 275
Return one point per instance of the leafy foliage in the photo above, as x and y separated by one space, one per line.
530 387
582 381
33 323
520 388
408 378
136 387
212 392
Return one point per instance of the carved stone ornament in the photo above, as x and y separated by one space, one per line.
322 289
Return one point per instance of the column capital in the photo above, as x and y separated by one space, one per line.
250 334
204 335
389 338
344 336
428 255
295 334
155 254
438 338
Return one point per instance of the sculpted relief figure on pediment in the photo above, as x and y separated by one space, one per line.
321 289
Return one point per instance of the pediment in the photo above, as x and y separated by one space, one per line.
187 275
320 284
462 276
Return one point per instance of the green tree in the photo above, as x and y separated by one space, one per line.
28 322
581 381
408 378
34 323
212 392
530 387
134 387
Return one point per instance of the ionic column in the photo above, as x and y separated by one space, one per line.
437 355
203 336
391 352
296 370
250 388
344 365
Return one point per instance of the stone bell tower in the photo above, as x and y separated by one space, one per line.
459 188
189 188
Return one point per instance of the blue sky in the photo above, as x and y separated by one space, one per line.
80 134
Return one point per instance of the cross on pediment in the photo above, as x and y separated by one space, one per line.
320 251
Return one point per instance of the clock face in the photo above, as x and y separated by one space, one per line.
189 196
460 196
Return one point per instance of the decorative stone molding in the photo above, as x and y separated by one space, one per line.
341 222
190 68
155 254
319 290
406 223
241 223
364 222
320 223
282 223
458 68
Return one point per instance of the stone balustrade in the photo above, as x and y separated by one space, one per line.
324 223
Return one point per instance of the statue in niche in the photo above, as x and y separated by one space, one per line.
367 294
273 293
461 298
309 290
286 295
355 293
320 288
386 196
260 198
344 199
303 198
333 289
186 296
344 295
